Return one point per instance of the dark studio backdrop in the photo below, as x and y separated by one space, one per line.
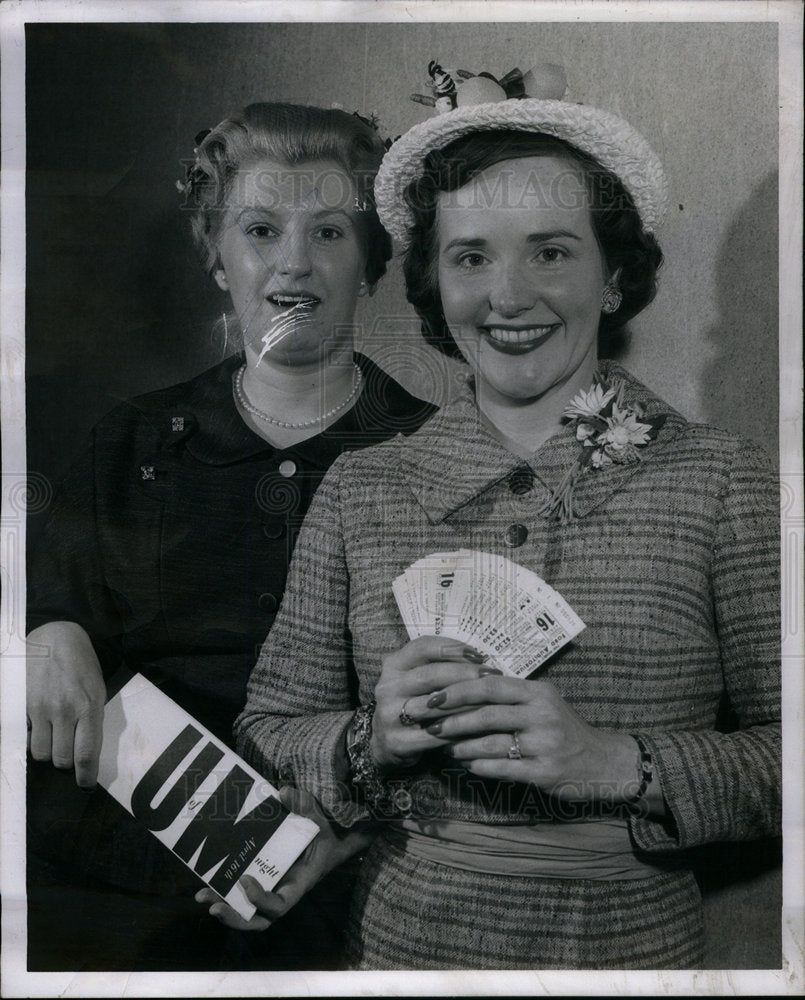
117 302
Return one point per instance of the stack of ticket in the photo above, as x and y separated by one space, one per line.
489 602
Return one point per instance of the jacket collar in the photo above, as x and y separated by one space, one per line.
216 433
454 458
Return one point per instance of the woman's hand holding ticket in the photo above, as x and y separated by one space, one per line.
410 679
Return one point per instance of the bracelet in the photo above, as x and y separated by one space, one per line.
365 772
366 776
645 771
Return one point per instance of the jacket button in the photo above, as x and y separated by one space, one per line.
515 535
274 530
268 602
521 480
287 468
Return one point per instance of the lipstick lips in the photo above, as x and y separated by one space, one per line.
511 340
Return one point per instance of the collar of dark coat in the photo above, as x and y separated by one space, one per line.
454 458
214 432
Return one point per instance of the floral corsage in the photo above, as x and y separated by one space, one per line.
610 433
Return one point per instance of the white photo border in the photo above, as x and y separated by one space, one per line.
16 981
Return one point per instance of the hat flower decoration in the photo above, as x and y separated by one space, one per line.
533 101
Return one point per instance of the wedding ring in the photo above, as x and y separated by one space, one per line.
405 718
514 750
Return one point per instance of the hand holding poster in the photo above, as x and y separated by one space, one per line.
214 812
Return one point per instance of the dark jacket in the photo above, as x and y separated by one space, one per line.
170 537
169 542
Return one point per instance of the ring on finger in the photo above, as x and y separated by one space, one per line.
515 753
405 718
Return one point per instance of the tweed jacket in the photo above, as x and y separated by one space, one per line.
672 563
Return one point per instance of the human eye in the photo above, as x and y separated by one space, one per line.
551 255
328 233
471 260
260 231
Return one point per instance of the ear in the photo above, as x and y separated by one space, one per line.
220 279
367 289
615 277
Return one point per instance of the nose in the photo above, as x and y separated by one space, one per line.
293 255
512 292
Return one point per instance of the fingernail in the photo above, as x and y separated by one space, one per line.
435 728
489 670
473 655
437 699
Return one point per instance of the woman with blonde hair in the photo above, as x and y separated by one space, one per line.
167 548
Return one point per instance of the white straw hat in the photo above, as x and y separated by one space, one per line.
604 136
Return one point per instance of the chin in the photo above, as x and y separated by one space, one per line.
522 388
298 347
522 394
296 357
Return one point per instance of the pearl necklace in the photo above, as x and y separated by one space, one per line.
240 396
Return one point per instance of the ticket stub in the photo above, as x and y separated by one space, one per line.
489 602
425 593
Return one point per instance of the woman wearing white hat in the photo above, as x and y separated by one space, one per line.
540 822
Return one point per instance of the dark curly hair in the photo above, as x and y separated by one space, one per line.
292 134
624 243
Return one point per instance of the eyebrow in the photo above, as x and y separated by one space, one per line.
268 212
555 234
464 242
473 241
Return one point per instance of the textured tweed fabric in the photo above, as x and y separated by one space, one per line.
673 563
445 918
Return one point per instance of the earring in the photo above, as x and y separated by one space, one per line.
611 298
226 330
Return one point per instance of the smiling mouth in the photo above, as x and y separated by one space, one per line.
519 341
